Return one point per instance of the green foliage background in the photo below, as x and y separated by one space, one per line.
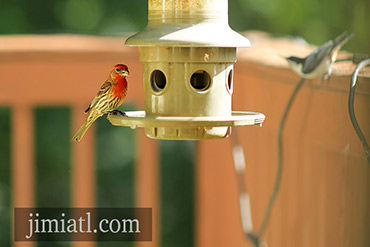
314 20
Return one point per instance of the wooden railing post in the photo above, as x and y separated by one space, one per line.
147 183
23 161
83 168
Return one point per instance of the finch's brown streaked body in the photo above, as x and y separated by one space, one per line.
110 96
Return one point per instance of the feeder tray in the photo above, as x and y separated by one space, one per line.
174 127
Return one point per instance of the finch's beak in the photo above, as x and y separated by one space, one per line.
125 73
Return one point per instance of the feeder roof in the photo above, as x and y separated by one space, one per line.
202 34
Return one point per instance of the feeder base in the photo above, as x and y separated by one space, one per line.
187 133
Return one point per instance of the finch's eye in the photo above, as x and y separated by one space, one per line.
118 69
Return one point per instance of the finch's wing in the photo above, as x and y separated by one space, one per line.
316 57
103 89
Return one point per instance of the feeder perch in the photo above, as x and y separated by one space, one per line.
188 52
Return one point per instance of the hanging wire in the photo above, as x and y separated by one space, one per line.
351 110
280 159
239 164
244 199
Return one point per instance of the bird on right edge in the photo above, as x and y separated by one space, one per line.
318 63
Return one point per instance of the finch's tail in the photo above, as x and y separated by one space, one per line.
81 132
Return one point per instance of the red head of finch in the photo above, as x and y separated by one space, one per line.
110 96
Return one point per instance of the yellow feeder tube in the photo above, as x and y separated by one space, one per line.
188 52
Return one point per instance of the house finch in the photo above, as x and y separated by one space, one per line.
110 96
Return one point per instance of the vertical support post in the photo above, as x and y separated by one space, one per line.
147 183
83 169
23 161
218 220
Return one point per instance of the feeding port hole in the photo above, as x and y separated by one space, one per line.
200 80
230 81
158 80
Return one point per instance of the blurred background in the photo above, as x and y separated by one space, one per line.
315 21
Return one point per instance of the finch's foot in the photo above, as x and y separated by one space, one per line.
118 112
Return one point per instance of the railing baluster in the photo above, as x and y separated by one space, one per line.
23 160
83 169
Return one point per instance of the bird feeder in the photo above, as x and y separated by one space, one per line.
188 52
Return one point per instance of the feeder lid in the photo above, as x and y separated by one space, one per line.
207 33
